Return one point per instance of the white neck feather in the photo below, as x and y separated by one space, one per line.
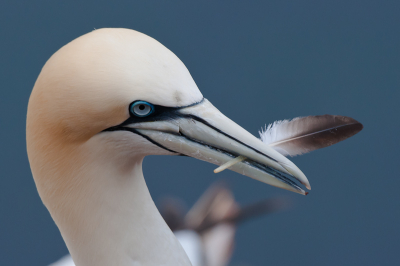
105 212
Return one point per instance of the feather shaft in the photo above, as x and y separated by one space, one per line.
229 164
304 134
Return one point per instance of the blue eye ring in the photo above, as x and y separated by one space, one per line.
141 109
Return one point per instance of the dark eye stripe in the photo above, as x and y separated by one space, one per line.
158 113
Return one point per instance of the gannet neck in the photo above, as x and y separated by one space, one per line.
98 198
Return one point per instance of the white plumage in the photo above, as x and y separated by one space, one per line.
189 240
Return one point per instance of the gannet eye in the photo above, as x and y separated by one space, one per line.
141 108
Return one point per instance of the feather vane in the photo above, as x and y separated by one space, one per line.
304 134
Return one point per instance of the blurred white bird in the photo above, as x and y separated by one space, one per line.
99 106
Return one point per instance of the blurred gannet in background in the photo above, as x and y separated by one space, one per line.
214 217
99 106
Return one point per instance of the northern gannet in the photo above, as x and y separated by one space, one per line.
99 106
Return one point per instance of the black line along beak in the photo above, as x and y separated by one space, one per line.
201 131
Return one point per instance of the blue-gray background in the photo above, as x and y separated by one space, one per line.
257 61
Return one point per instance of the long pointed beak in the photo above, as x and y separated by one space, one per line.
201 131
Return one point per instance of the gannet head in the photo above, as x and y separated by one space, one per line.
119 95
